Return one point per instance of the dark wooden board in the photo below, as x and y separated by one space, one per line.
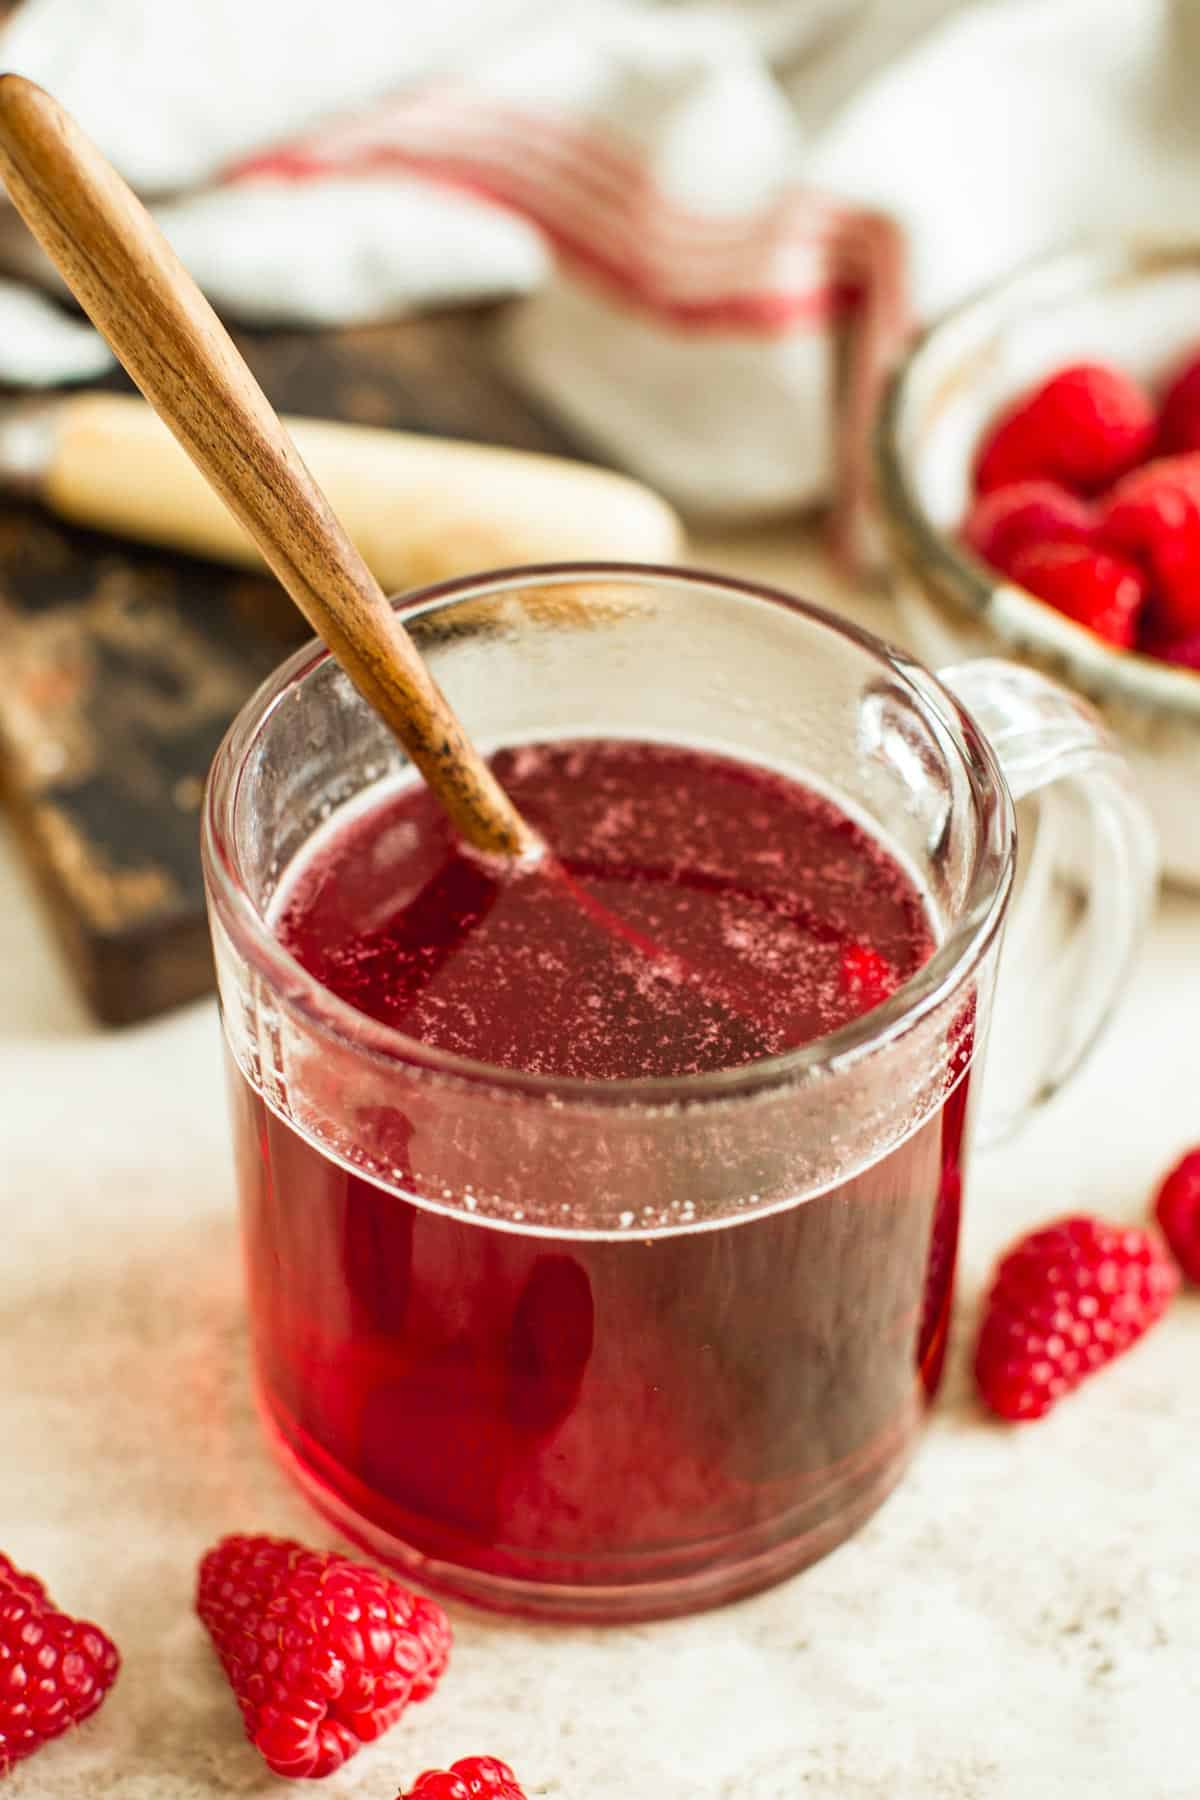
120 668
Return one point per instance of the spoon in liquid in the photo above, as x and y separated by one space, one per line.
140 297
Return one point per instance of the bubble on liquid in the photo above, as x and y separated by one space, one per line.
736 886
395 842
524 763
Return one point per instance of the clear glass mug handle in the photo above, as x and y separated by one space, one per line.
1087 874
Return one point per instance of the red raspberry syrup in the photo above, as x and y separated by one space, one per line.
607 1414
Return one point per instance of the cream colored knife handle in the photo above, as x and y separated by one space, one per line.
420 509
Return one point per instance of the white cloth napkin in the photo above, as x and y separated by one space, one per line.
701 205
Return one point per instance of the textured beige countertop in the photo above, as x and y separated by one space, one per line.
1020 1622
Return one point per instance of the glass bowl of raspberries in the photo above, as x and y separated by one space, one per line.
1038 477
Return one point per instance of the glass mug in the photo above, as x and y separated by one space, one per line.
617 1350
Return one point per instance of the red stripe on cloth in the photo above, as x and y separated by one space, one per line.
507 175
438 122
763 310
598 209
566 175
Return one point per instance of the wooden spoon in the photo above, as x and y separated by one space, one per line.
141 298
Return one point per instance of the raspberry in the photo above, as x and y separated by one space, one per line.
1083 427
1153 517
1064 1302
1026 512
323 1654
1183 652
866 975
54 1670
1177 1209
473 1778
1179 414
1102 592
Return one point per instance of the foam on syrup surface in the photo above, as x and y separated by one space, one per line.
748 887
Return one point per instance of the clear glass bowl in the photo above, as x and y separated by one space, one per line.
1136 306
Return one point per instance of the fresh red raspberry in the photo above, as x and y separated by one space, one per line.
323 1654
1103 592
1153 518
1179 413
1064 1302
54 1670
1027 512
1083 427
472 1778
866 975
1177 1209
1183 652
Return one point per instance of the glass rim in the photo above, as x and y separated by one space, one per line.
923 992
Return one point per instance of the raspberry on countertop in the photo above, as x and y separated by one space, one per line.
471 1778
1177 1209
1065 1301
323 1653
54 1670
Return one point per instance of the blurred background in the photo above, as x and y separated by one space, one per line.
683 241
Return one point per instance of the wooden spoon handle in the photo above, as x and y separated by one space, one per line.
138 294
